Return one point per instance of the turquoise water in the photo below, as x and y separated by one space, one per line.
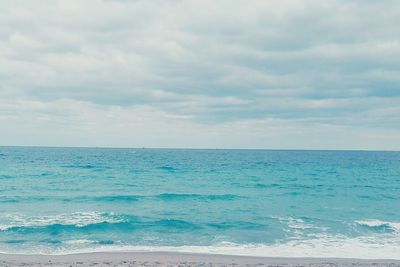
245 202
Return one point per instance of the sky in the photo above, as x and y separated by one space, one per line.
301 74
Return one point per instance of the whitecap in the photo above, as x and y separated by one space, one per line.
78 219
395 226
295 223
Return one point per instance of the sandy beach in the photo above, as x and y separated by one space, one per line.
177 259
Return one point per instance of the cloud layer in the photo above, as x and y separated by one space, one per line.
258 74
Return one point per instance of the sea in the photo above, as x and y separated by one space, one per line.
280 203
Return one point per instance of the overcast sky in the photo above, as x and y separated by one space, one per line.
216 74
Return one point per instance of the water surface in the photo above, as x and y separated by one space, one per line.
250 202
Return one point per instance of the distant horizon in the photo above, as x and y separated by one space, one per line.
199 148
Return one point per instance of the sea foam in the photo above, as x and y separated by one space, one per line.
378 224
78 219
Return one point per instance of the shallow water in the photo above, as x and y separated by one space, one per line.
245 202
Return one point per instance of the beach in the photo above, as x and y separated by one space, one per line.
177 259
199 133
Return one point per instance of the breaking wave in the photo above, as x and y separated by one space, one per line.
378 225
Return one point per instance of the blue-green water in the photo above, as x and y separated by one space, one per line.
250 202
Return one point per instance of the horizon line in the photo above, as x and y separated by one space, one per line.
205 148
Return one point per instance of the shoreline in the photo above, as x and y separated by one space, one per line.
179 259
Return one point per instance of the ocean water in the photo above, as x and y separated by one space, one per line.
243 202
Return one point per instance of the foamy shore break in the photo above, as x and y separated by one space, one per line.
177 259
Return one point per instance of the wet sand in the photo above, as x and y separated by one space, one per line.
178 259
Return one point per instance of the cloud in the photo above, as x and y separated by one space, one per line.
202 65
85 124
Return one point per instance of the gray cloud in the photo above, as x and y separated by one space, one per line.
208 64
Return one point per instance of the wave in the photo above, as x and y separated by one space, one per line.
78 219
123 198
238 225
296 223
86 166
325 246
162 197
167 168
93 221
175 224
4 176
380 225
114 198
101 222
17 199
171 196
81 166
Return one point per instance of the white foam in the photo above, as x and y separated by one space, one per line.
78 241
78 219
372 246
325 246
378 223
296 223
